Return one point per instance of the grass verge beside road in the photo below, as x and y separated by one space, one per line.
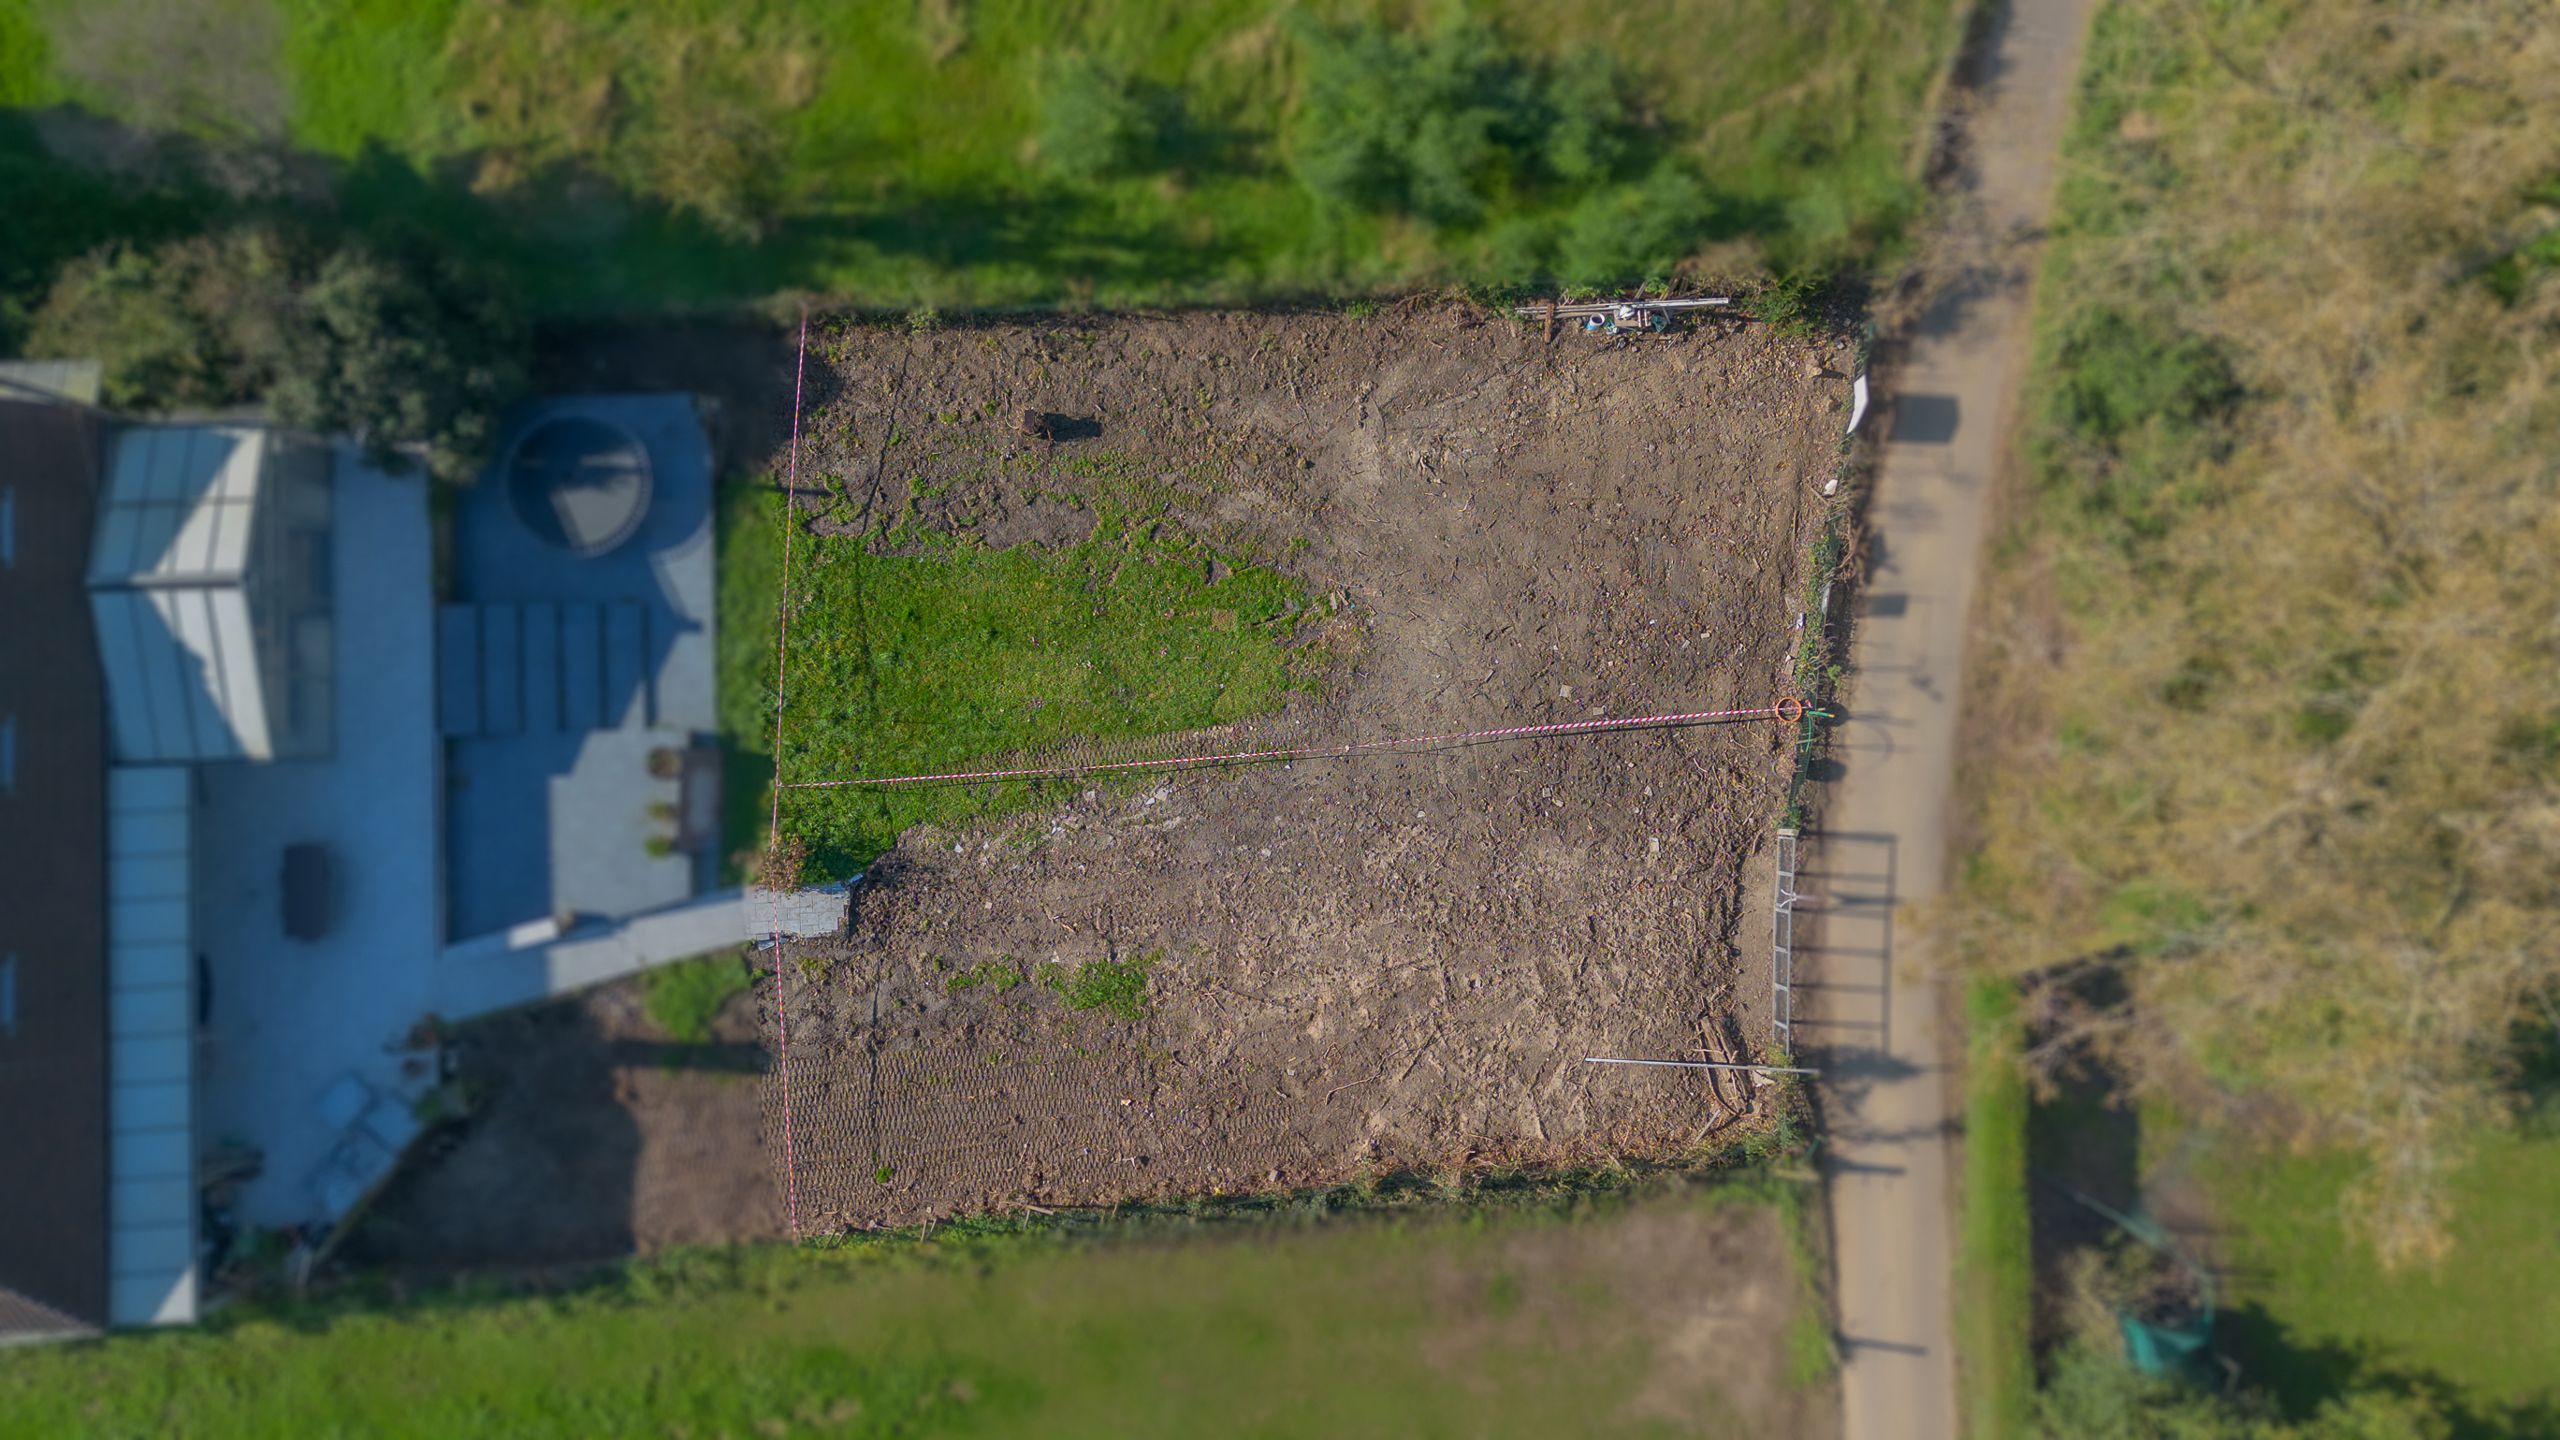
1994 1257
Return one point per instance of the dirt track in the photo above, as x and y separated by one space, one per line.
1391 962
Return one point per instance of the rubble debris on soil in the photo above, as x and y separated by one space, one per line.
1394 962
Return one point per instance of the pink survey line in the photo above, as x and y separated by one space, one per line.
1312 752
773 841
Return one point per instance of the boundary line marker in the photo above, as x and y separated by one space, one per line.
773 836
1788 710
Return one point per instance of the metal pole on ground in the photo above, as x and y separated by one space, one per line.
1701 1065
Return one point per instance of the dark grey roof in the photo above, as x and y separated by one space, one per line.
53 1046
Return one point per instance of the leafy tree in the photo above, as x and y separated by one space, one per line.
1435 124
2092 1396
196 322
405 354
401 356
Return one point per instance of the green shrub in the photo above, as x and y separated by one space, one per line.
1447 123
2135 411
1632 231
1518 251
1093 123
83 211
2121 372
1789 304
1587 126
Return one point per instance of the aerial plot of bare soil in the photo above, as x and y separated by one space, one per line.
1385 962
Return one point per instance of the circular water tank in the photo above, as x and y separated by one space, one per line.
580 483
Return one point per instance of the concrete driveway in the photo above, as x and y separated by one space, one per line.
1869 996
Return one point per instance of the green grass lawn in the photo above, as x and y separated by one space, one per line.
1995 1260
1461 1323
938 652
623 158
683 998
2307 1305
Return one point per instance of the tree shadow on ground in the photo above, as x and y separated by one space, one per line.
2298 1375
2085 1144
565 238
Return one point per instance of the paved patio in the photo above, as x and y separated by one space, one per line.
561 672
290 1019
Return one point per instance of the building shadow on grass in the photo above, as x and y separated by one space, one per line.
589 1137
539 1172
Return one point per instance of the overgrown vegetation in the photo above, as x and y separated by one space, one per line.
1094 122
2282 639
1492 1319
685 997
2268 822
623 159
1448 123
925 652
